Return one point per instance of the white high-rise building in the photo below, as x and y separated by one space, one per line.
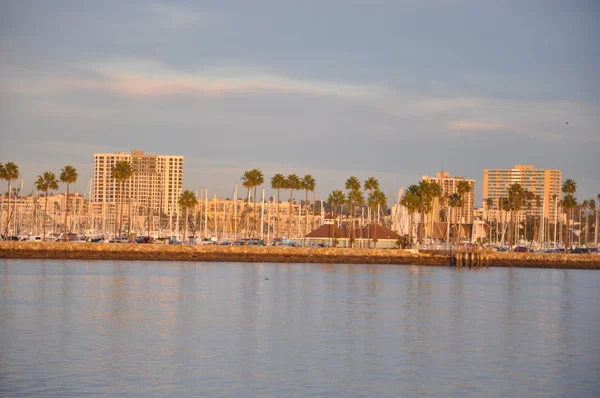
155 184
449 186
545 184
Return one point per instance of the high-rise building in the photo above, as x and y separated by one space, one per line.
545 184
155 184
449 186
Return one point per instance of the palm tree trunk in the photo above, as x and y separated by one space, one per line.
290 214
187 214
448 225
596 229
278 212
44 218
254 227
66 212
8 209
305 218
352 233
247 215
121 208
587 219
411 227
312 220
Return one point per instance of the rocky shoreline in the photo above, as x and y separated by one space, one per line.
155 252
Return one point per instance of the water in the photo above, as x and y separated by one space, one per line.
143 329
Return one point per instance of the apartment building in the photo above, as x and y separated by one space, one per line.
155 184
544 183
450 186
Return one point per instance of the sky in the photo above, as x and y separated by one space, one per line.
392 89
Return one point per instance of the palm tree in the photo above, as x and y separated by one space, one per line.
435 192
424 191
2 177
354 197
308 183
584 209
370 184
121 172
277 182
597 219
46 182
569 202
454 201
489 202
8 173
376 200
252 179
68 176
412 201
462 188
186 201
538 224
516 196
569 187
336 198
528 197
292 182
505 207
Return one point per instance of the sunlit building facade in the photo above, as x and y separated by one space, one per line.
155 184
545 184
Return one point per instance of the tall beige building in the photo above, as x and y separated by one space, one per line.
156 182
544 183
450 186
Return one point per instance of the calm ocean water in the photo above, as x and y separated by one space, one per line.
144 329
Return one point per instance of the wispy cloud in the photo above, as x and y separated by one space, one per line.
466 127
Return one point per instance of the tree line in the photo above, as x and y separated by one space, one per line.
419 199
45 182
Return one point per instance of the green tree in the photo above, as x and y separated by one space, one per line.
516 196
424 191
454 201
45 183
68 176
462 189
292 182
120 172
435 193
371 184
412 201
278 182
307 183
186 201
2 177
355 197
376 200
569 202
528 198
597 208
8 173
252 179
584 208
569 187
336 198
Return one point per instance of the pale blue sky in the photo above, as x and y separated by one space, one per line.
334 88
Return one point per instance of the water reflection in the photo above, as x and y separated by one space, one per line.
185 329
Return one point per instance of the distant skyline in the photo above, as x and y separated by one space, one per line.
333 88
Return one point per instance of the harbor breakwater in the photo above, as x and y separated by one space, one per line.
270 254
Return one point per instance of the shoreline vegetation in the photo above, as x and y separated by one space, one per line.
277 254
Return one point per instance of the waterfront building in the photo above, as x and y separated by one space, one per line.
449 186
545 184
154 186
